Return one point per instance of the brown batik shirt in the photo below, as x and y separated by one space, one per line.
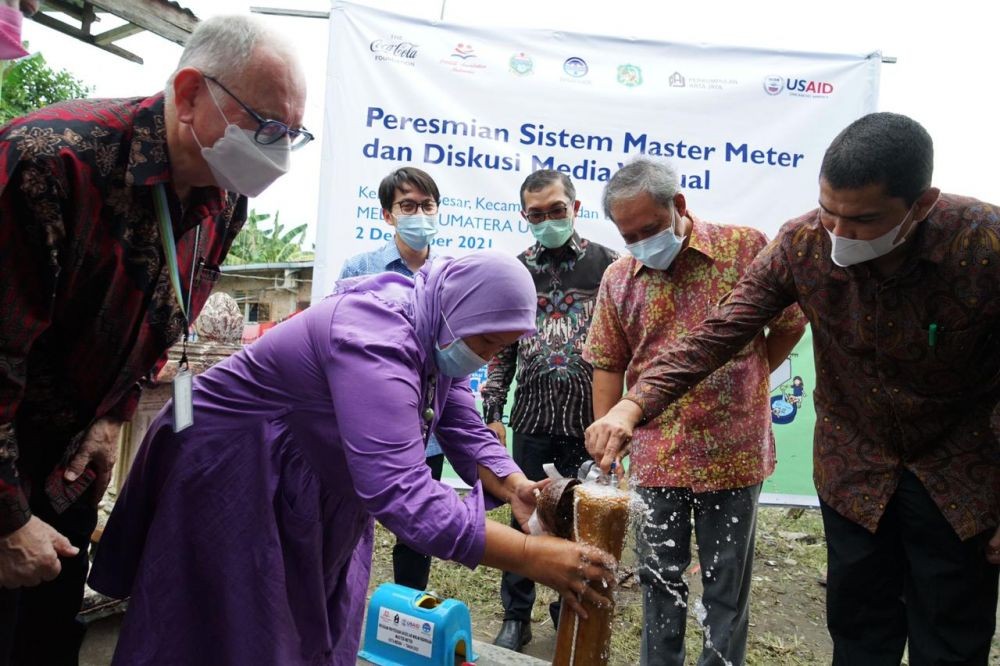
907 366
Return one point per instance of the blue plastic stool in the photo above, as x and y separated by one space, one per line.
413 628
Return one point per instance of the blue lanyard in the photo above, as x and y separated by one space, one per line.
170 253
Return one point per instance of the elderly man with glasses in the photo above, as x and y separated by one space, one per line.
552 403
114 217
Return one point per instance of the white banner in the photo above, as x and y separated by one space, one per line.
481 108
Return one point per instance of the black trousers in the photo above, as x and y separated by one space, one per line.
913 580
530 452
409 567
38 625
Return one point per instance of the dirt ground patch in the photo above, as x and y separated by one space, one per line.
787 619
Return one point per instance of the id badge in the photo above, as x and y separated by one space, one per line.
183 407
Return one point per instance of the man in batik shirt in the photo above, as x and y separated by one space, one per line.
706 455
901 285
552 403
86 303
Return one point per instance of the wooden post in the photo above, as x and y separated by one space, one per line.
601 515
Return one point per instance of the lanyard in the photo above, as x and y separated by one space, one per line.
170 252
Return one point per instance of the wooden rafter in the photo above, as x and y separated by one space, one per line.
161 17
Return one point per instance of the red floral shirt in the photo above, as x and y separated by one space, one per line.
86 307
719 435
890 394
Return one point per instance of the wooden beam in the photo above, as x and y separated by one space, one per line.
75 32
63 7
160 18
113 35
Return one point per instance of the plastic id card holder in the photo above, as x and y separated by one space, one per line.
183 406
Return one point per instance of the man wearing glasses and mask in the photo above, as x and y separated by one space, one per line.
114 216
409 198
552 403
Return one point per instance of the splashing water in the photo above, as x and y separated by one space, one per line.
702 614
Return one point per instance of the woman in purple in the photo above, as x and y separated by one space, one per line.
247 538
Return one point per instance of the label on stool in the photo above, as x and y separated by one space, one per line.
405 631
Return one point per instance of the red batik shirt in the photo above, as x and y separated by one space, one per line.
889 394
718 436
86 306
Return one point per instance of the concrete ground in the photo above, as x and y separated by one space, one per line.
99 645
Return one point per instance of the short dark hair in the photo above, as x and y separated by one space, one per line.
542 178
412 176
881 148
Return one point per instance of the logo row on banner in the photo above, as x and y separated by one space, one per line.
464 58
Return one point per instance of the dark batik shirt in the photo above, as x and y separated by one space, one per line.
86 307
553 395
890 395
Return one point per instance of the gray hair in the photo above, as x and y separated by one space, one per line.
222 46
642 175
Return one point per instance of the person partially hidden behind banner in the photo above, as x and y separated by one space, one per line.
552 401
247 538
902 287
409 199
706 455
87 306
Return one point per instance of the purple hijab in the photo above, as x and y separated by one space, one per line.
484 292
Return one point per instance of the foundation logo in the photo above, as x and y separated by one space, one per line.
463 59
630 76
463 52
394 49
677 80
521 64
576 67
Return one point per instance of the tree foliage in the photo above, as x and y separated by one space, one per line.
256 244
29 83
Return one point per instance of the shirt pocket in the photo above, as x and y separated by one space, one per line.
960 363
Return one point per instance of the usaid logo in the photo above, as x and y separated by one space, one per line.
807 88
773 85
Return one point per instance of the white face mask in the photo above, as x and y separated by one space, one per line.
239 163
851 251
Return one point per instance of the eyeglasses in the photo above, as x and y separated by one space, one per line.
557 213
269 131
409 207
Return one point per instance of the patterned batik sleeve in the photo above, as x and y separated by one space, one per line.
607 347
30 237
762 293
499 375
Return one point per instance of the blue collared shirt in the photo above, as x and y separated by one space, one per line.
382 260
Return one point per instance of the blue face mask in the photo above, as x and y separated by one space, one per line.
456 360
416 230
659 250
553 233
